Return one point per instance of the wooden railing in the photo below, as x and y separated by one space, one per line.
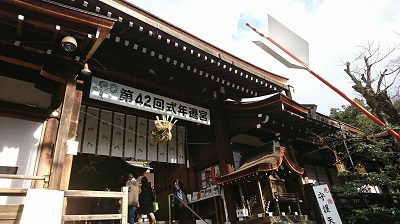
14 212
24 177
123 196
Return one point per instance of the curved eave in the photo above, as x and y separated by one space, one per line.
279 114
289 163
279 101
260 167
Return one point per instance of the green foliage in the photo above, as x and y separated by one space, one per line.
379 152
351 188
381 155
351 115
374 212
369 147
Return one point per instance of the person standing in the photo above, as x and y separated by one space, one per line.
133 197
180 192
146 199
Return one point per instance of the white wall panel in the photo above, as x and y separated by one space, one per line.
104 144
117 145
141 141
151 145
120 135
162 152
130 136
90 135
19 141
181 144
172 149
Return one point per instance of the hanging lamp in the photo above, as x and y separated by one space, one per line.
339 164
361 169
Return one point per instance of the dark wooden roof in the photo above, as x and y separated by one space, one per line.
278 114
30 47
262 163
126 44
32 32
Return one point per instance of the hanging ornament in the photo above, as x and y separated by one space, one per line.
361 169
162 133
339 164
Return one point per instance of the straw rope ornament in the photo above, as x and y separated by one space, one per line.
162 133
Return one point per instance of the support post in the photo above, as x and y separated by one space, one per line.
278 209
241 196
225 156
62 136
124 205
47 145
73 129
261 197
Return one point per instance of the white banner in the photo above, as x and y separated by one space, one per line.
326 204
115 93
109 133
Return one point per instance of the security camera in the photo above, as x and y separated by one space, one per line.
69 44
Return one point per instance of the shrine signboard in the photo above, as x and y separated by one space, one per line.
127 96
326 204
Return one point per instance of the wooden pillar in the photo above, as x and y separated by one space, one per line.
73 129
225 156
298 206
277 208
60 149
261 197
241 196
48 142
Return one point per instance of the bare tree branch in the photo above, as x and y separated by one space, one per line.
374 86
381 76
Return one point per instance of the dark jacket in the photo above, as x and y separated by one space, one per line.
146 199
179 189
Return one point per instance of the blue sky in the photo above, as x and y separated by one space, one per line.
333 29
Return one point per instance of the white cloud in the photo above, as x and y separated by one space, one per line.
333 28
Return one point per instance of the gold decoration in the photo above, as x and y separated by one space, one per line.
339 164
162 133
361 169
